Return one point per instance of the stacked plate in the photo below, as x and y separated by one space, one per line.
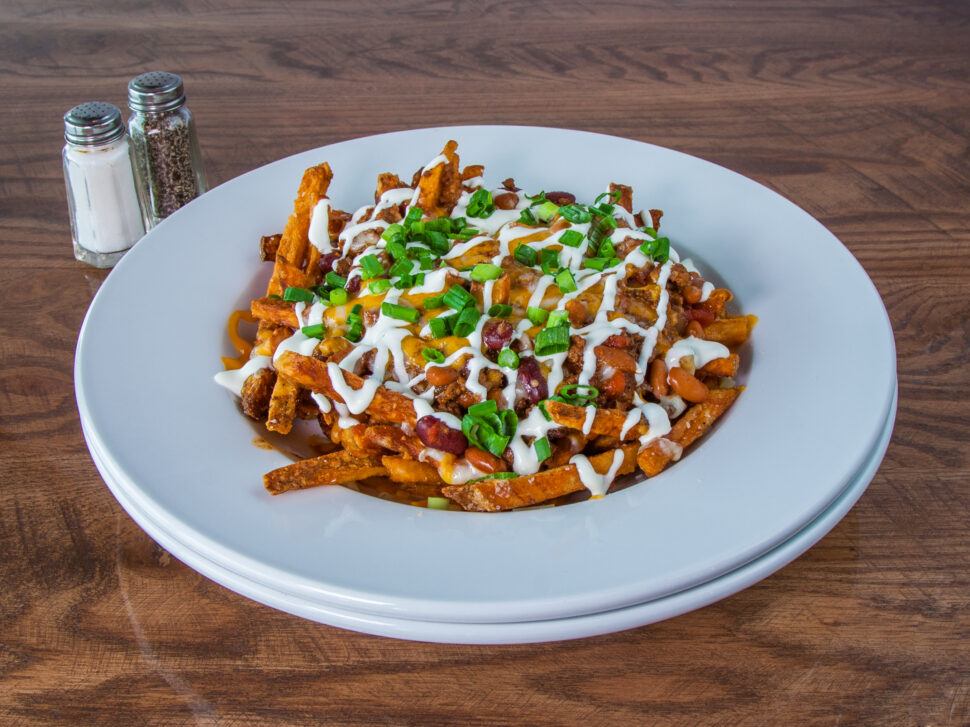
777 472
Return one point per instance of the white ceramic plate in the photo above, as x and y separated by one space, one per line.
527 631
820 376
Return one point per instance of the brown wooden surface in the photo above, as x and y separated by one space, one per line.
857 111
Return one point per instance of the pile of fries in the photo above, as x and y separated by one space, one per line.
483 348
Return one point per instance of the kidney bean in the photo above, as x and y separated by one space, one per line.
506 200
484 461
617 340
658 377
701 315
687 386
496 333
440 375
561 198
435 433
529 379
614 386
325 263
353 285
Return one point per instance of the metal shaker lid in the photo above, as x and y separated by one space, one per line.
155 91
93 123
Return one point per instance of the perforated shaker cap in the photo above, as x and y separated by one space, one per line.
93 123
155 91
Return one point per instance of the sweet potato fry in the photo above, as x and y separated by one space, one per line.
722 366
495 495
605 421
731 331
282 405
387 407
289 268
335 468
439 187
390 437
257 392
274 310
401 469
687 430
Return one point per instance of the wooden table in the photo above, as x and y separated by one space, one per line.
858 112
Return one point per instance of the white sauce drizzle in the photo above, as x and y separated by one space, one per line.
233 380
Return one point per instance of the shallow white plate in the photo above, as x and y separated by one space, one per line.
527 631
820 376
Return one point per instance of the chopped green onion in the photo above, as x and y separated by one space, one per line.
435 301
574 394
500 310
334 280
403 266
549 261
614 195
606 249
658 249
602 229
566 282
414 214
400 312
542 409
575 213
438 503
467 321
355 311
558 318
508 359
396 250
493 476
437 241
393 233
338 296
546 211
542 448
315 331
527 218
571 238
372 266
355 332
485 271
526 255
433 355
458 298
595 263
480 204
614 261
274 296
650 231
442 325
550 341
483 408
379 286
299 295
489 429
537 316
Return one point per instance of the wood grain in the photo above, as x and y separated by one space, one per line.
859 112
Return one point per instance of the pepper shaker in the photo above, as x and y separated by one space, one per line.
168 165
106 219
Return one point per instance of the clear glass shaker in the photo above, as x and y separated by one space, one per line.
165 147
106 218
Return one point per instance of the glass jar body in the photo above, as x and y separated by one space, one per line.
106 218
167 161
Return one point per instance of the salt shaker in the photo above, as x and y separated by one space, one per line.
168 165
106 219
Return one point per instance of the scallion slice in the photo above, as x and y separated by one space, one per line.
379 286
578 394
575 213
442 325
297 295
355 332
315 331
467 321
438 503
402 266
551 341
526 255
480 204
494 476
396 250
549 261
571 238
537 316
542 448
508 359
414 214
334 280
372 266
435 301
400 312
484 272
546 211
500 310
566 282
433 355
483 408
458 298
558 318
338 296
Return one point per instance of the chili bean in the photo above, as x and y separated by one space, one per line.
440 375
614 386
692 294
529 379
325 263
701 315
496 333
506 200
687 386
484 461
618 358
435 433
658 377
561 198
695 329
617 340
353 285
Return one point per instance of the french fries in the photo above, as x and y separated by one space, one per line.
484 346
